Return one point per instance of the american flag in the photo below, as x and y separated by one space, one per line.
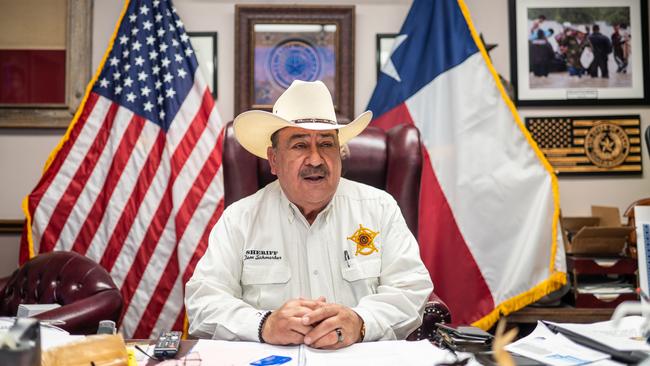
136 182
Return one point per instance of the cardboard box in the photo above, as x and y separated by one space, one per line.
599 235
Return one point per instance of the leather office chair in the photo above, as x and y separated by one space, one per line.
391 161
82 287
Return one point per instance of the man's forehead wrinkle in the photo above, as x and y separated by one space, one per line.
297 136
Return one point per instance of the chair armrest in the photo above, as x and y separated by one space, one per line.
3 284
435 311
83 316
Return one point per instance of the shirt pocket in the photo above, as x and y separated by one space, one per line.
362 277
266 287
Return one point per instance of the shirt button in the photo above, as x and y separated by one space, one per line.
315 272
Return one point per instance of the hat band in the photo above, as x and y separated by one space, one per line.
314 120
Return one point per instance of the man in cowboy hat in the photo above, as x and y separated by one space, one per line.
312 257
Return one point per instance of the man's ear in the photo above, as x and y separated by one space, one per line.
271 156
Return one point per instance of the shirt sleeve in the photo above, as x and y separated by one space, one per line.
213 294
404 284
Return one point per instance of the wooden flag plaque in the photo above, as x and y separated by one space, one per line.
589 144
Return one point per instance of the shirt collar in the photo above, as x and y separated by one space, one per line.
290 210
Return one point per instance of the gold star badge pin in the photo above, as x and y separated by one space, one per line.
365 240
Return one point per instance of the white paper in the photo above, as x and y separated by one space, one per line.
242 353
389 353
370 353
554 349
627 336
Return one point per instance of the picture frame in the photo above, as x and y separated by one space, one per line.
276 44
384 43
205 45
568 62
78 54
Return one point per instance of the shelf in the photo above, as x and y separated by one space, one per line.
561 314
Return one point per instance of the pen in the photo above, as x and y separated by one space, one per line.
346 257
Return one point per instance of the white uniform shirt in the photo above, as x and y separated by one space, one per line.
262 252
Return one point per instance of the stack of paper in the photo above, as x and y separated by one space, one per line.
625 340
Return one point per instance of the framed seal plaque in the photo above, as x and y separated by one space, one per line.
590 144
277 44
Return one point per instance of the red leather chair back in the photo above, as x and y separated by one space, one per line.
83 288
391 161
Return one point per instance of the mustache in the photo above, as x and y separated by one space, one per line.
314 170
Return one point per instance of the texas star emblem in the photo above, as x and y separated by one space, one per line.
365 240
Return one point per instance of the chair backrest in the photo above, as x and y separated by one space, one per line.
390 160
57 277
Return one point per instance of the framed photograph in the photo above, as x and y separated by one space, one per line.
592 145
277 44
385 43
205 48
579 52
24 103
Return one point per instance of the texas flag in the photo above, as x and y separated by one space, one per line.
489 201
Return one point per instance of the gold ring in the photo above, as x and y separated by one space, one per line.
339 335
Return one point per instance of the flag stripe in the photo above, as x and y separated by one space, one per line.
192 191
53 169
203 243
59 181
71 194
159 298
123 226
127 183
117 166
199 187
169 312
180 320
183 217
505 178
192 135
157 225
449 244
149 262
96 177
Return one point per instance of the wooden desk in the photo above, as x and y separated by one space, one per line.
561 314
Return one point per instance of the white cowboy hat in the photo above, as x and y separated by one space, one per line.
305 105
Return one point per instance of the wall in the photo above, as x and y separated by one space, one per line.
22 153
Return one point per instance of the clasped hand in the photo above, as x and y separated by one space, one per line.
314 323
